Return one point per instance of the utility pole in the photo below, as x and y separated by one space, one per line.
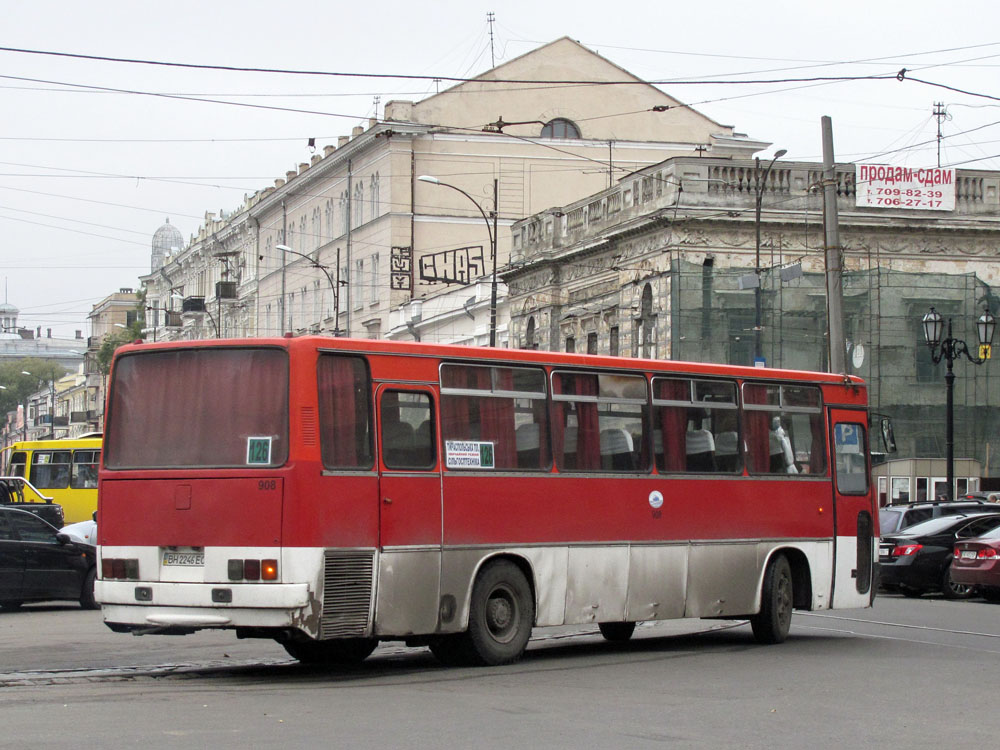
834 269
491 19
941 114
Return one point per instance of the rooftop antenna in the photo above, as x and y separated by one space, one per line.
490 19
378 99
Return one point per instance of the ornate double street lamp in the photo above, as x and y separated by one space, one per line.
950 350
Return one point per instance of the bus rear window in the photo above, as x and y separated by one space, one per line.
189 408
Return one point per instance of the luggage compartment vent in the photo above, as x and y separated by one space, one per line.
347 594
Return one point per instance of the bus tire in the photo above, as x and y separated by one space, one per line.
338 652
617 632
501 614
771 624
87 600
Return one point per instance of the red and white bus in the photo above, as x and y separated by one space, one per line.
332 493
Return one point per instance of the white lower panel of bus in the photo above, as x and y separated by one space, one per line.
399 592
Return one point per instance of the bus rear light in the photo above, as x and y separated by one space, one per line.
121 569
253 570
269 570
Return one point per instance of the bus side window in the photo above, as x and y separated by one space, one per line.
407 430
84 476
344 412
18 464
785 430
501 408
50 469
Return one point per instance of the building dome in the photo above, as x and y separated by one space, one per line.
166 239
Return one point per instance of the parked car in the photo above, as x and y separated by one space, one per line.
83 531
990 497
17 492
976 562
918 559
893 518
39 563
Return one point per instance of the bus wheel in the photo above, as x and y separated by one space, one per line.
771 624
616 631
343 651
501 614
87 600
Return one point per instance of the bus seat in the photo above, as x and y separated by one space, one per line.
616 450
397 444
528 444
700 445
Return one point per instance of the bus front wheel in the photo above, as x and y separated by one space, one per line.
501 614
339 652
771 624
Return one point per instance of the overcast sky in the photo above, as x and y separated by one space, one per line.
87 176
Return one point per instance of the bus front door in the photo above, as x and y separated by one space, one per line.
854 526
410 511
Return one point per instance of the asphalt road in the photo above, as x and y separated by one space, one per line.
906 674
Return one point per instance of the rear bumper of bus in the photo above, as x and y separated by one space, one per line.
164 606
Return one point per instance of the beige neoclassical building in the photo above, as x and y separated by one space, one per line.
353 242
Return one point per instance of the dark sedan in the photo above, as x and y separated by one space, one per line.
918 559
977 563
38 563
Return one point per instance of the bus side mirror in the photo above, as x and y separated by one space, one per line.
888 439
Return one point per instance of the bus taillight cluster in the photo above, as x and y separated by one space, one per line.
119 568
253 570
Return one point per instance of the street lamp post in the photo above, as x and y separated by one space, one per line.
760 182
492 231
952 349
326 272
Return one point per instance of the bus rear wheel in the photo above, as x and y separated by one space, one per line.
339 652
501 614
771 624
617 632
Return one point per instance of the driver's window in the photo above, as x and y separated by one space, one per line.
850 452
32 529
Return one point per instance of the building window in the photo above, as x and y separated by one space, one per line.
359 204
359 275
591 343
613 342
317 228
375 195
529 335
560 128
329 218
373 289
570 344
927 371
303 237
345 212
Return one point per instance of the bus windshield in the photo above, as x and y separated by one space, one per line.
211 407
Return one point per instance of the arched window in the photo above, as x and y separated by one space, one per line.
560 128
529 335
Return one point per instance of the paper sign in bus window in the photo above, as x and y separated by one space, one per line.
468 454
259 451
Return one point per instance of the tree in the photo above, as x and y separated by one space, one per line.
18 386
113 340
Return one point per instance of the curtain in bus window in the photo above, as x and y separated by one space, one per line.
198 407
459 414
581 435
498 421
344 411
758 429
670 434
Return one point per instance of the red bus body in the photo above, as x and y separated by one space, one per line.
386 540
